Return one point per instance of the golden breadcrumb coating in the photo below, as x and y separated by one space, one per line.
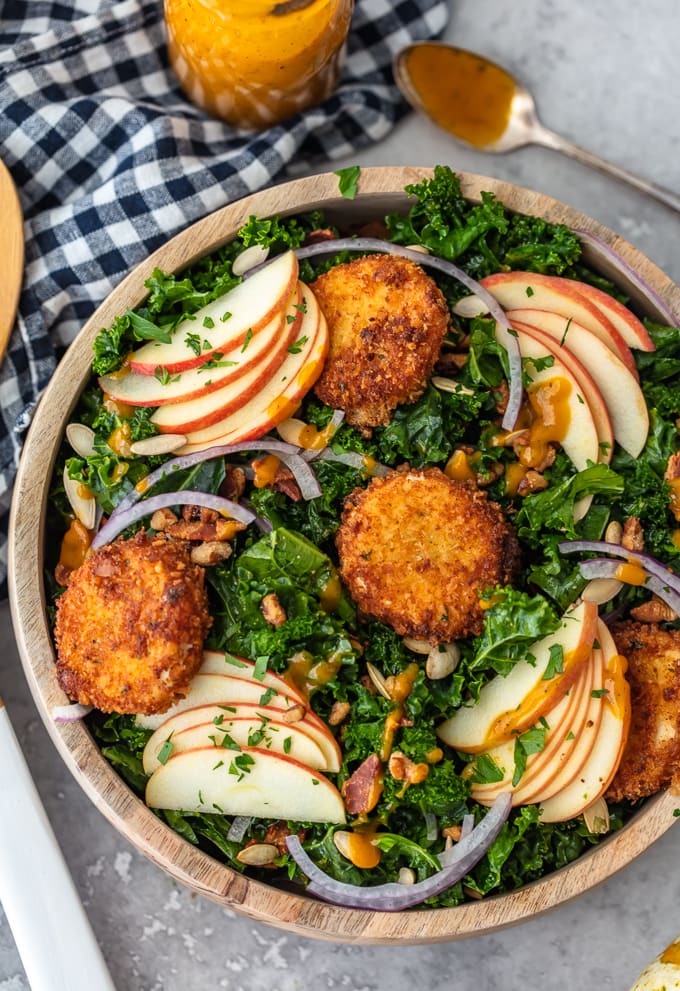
386 320
652 755
131 625
417 548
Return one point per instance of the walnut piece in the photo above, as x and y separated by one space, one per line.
402 768
654 611
339 713
272 610
633 538
210 552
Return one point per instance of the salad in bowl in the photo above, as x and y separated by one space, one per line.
362 549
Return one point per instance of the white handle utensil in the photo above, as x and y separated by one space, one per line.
54 938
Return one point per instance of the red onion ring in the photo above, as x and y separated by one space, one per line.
604 567
70 713
509 336
652 566
625 269
239 828
122 520
395 897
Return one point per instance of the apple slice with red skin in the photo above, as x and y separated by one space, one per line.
266 785
276 736
595 775
276 402
252 304
207 411
529 290
535 343
216 662
559 721
248 365
223 689
632 330
513 704
223 711
618 387
588 434
574 745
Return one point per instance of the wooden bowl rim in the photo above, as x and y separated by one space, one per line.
380 189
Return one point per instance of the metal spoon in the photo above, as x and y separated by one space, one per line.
523 126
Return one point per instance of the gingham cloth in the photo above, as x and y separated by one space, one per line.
110 159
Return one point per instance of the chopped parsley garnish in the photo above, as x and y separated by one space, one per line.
267 696
598 693
249 337
531 742
349 181
226 316
241 765
208 323
297 346
193 342
287 744
260 668
555 661
165 751
163 375
236 661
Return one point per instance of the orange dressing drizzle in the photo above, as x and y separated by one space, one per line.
399 687
120 441
458 468
675 537
361 849
675 498
315 440
330 593
616 685
466 95
75 545
265 470
514 473
123 410
549 402
631 573
307 674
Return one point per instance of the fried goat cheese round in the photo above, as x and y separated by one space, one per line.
651 759
417 549
131 625
386 320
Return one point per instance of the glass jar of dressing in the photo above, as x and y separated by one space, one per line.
255 62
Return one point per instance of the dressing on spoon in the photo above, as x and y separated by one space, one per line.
481 104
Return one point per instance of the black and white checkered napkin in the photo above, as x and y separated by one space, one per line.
110 159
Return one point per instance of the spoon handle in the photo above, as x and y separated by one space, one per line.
50 927
544 136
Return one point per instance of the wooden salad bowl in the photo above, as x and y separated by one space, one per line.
381 191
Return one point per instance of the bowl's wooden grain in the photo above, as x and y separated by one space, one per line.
380 190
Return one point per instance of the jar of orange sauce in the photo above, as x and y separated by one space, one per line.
255 62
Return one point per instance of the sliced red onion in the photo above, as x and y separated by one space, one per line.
70 713
187 497
189 460
626 270
467 826
604 567
353 459
652 566
239 828
431 826
394 897
507 334
263 525
307 481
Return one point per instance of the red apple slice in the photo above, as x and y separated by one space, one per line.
575 745
246 367
222 689
559 720
587 433
618 387
251 305
276 402
631 329
529 290
535 343
217 662
311 725
276 736
254 782
205 414
595 775
512 704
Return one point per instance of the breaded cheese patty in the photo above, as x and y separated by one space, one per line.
417 548
651 759
131 625
386 320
